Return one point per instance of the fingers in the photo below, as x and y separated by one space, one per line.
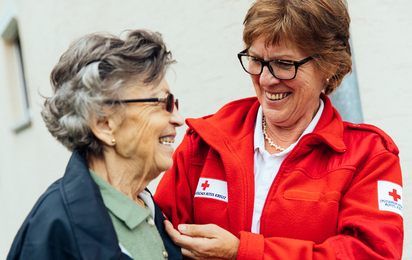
204 241
183 241
177 239
207 231
173 233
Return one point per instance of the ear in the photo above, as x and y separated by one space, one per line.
104 129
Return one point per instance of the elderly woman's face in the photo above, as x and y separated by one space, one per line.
145 133
286 102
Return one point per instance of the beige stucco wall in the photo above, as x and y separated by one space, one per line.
204 37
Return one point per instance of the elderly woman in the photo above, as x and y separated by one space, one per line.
113 108
281 176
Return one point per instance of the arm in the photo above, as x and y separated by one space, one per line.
47 234
364 231
42 238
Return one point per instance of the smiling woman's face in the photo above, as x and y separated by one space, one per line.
147 130
287 103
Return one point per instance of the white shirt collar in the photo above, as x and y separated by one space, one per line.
259 140
147 198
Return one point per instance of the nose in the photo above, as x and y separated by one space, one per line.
266 78
176 119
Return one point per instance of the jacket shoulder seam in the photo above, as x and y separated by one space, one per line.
388 143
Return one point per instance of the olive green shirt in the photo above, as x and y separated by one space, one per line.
135 227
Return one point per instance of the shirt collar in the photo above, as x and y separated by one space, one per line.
259 140
147 198
123 207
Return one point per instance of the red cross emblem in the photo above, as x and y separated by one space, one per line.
395 195
205 185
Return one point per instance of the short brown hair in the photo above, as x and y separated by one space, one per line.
320 28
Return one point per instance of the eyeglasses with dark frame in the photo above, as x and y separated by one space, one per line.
170 101
280 69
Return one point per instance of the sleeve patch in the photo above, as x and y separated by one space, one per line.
390 197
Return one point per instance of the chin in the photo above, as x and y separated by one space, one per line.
164 164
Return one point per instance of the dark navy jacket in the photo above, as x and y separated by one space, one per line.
70 221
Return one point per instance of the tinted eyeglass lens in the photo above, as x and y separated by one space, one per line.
170 103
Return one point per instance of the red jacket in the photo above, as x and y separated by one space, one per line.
337 194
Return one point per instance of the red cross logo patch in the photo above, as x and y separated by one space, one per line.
212 189
390 197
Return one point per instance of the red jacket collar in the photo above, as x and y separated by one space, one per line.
329 128
235 121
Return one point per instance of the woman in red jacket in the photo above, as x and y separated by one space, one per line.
281 176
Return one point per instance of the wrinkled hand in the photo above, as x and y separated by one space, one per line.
204 241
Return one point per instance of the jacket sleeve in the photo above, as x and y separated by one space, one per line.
364 230
173 194
45 234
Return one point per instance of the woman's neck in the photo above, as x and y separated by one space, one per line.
124 175
285 136
281 137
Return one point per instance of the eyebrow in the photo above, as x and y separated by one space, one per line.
284 56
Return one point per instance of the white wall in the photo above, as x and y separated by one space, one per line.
205 37
381 37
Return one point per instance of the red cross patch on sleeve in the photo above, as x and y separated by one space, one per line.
390 197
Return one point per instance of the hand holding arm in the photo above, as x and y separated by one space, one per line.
204 241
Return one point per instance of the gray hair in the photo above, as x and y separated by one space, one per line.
96 68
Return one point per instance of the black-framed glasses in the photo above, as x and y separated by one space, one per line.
170 101
280 69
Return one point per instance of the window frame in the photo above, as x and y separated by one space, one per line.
9 32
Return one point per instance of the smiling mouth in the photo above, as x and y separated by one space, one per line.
278 96
166 140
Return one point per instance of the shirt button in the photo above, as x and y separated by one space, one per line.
151 222
165 254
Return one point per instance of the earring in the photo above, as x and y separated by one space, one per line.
113 141
327 81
